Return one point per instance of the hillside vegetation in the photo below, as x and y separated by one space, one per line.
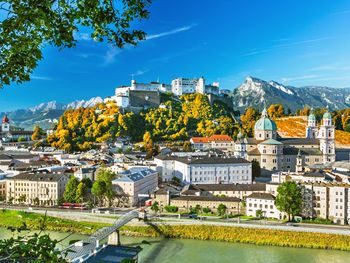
192 115
294 126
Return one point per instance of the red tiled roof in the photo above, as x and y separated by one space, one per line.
5 119
199 139
217 137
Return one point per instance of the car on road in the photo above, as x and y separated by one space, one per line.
193 216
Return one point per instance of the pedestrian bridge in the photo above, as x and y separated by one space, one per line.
84 249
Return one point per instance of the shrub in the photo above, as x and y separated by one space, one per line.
206 210
171 208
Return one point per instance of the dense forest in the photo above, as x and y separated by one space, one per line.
191 115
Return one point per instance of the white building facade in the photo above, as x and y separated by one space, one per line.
206 170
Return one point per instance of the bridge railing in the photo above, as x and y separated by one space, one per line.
82 250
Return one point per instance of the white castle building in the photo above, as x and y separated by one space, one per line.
286 154
193 85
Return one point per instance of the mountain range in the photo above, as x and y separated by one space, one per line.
252 92
259 93
45 114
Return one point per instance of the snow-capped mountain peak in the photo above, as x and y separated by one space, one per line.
45 106
280 87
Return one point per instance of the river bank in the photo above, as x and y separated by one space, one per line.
172 250
11 218
243 235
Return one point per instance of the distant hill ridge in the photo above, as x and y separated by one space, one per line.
46 114
259 93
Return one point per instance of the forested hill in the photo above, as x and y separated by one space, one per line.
192 115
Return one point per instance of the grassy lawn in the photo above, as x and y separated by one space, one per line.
12 218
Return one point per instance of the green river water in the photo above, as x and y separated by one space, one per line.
193 251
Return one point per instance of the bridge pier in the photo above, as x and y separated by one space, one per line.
114 238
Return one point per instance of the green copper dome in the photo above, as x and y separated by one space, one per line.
265 124
312 117
327 115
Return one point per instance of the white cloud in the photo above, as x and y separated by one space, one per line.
111 54
280 46
36 77
82 36
139 72
333 67
292 79
171 32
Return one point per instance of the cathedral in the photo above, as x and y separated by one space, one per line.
288 154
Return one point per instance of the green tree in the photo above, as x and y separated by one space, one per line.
259 213
155 207
289 199
106 176
37 133
98 190
81 192
175 180
221 209
36 201
87 182
27 26
32 247
256 170
21 139
196 209
70 191
22 199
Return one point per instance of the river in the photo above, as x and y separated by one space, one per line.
193 251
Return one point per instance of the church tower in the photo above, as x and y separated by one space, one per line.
311 129
299 163
326 136
5 126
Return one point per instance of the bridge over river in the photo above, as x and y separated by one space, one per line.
82 250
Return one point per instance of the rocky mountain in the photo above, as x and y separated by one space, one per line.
45 114
258 93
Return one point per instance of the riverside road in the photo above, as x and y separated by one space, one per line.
174 220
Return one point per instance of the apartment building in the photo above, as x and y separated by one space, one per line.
36 188
240 191
205 170
185 203
135 185
263 202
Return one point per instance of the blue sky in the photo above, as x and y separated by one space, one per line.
293 42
